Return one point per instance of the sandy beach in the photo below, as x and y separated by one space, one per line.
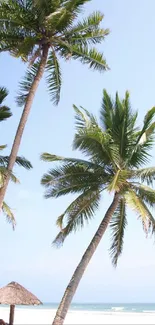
45 316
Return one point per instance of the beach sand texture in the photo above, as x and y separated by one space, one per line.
45 316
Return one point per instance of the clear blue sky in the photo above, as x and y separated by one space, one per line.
26 255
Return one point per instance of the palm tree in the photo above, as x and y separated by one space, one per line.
117 150
5 113
40 32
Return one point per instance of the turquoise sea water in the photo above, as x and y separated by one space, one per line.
111 307
103 307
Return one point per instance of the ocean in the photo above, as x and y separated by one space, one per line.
102 307
85 314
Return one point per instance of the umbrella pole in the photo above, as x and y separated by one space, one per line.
12 310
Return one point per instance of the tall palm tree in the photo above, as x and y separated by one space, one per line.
5 113
116 149
41 32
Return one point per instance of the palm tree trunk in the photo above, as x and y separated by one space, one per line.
23 120
77 276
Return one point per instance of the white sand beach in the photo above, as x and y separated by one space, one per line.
45 316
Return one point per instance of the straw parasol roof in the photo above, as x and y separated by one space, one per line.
15 294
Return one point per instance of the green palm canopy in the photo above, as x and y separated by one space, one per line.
28 28
43 33
5 113
117 150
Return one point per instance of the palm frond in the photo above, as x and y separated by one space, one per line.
83 118
2 147
149 118
3 94
149 225
13 178
117 225
140 155
144 141
81 210
124 127
5 113
59 19
74 6
63 14
106 112
114 184
92 57
70 178
26 49
54 77
88 31
93 143
8 214
46 7
136 203
146 193
88 24
3 173
75 161
152 222
18 15
21 161
4 159
145 174
26 84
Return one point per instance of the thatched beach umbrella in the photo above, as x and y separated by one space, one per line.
14 294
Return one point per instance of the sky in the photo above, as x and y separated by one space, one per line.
27 255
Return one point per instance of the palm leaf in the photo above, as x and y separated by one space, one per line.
26 84
136 203
3 173
90 37
75 161
88 24
81 210
74 6
83 118
13 178
70 178
54 77
21 161
106 112
46 7
91 57
8 214
114 184
2 147
5 113
150 225
17 14
145 174
3 94
117 225
93 143
88 56
145 140
62 16
149 118
146 193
